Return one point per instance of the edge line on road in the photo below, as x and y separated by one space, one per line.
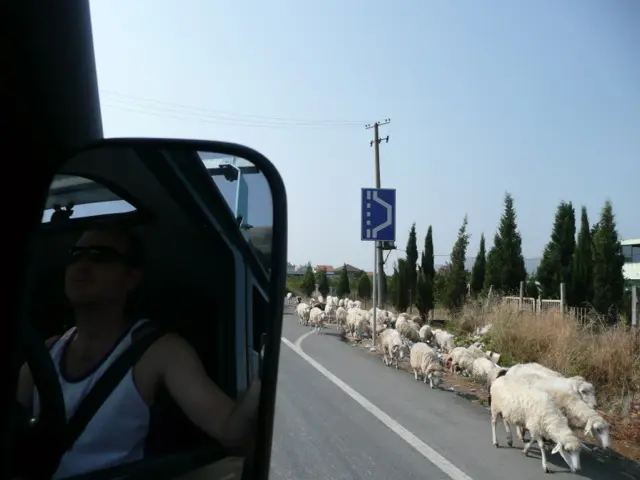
429 453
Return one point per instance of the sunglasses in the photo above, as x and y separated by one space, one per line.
98 254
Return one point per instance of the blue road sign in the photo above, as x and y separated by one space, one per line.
378 214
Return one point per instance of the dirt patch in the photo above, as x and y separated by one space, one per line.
625 454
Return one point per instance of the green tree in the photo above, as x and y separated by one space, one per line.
555 266
505 264
343 288
479 268
582 264
308 284
456 283
364 286
401 286
440 282
323 284
608 280
412 260
426 277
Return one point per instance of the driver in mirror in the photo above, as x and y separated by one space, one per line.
103 268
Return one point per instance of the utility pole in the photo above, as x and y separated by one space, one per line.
378 245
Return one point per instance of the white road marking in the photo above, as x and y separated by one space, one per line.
429 453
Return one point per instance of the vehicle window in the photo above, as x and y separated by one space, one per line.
248 196
86 198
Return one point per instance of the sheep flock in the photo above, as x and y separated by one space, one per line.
536 400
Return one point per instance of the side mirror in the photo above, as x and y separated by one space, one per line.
211 222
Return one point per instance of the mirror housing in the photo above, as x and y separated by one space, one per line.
263 245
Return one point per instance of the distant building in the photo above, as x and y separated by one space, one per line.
631 268
327 268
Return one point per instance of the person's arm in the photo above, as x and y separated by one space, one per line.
24 393
203 402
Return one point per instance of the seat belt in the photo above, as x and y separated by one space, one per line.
106 384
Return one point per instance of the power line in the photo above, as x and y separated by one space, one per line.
173 110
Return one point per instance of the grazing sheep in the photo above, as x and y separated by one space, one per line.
444 340
579 414
533 409
579 385
391 342
425 361
425 333
407 328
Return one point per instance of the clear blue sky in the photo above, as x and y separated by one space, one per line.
540 98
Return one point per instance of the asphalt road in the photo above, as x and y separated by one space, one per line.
323 433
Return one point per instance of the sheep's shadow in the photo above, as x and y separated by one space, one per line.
592 467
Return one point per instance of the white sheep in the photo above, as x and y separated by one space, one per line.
585 389
316 318
425 333
484 369
579 414
391 342
444 340
425 361
417 319
356 322
289 295
303 310
341 302
533 409
341 318
407 328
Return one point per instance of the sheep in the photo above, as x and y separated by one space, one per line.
356 322
534 409
482 367
329 309
407 328
425 333
316 319
357 304
579 414
417 319
289 295
341 318
341 302
444 340
424 361
579 385
303 310
391 343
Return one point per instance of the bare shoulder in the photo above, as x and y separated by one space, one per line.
168 348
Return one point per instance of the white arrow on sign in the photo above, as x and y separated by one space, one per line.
387 222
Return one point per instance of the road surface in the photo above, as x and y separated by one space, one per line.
386 425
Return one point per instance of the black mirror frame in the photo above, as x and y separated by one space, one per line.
259 468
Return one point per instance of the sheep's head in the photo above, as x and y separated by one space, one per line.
434 374
587 393
600 430
404 351
569 450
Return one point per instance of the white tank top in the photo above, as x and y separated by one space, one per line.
116 434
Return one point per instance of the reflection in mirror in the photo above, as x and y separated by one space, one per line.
247 193
151 273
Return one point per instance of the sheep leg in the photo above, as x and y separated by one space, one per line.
494 419
543 454
520 431
424 377
507 429
431 382
415 374
396 359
